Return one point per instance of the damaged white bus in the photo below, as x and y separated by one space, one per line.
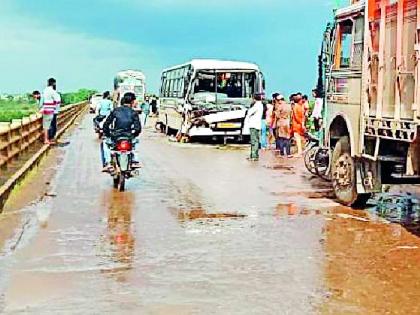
208 98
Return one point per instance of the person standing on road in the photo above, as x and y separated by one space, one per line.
282 115
51 100
253 120
264 128
298 123
52 132
306 106
153 105
145 111
317 112
270 121
103 110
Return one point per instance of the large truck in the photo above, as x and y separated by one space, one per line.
370 80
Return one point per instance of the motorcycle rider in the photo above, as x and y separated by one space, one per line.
103 110
104 107
122 119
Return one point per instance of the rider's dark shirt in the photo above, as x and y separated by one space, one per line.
122 119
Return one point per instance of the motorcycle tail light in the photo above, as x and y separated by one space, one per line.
124 146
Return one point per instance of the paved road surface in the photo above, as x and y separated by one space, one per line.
202 231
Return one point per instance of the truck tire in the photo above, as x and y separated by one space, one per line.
343 176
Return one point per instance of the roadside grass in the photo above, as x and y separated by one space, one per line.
15 110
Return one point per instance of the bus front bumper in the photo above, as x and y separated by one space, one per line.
209 132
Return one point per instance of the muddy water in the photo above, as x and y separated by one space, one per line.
201 231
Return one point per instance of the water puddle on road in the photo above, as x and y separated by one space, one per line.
371 258
280 167
292 209
371 264
201 214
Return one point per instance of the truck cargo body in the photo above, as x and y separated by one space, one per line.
372 92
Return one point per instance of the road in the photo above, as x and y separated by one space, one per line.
201 231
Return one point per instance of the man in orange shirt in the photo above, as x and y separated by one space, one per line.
298 122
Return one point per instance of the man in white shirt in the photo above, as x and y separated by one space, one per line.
253 120
51 102
317 111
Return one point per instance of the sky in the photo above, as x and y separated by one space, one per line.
83 44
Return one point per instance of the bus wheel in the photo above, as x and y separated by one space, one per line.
167 129
343 176
159 127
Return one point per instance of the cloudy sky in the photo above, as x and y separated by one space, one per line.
84 43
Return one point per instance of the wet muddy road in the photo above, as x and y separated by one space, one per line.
201 231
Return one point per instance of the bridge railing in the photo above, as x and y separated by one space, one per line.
21 135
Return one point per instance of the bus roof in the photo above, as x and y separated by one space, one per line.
131 73
217 65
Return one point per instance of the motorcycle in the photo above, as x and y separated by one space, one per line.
98 122
316 158
121 161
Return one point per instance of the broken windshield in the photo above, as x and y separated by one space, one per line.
223 87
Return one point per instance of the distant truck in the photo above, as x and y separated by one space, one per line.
369 76
129 81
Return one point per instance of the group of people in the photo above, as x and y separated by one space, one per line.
124 118
49 103
278 122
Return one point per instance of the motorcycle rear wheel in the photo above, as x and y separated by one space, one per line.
116 180
121 183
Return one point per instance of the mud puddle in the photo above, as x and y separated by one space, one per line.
201 214
292 209
309 194
280 167
368 262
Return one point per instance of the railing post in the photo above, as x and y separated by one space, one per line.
4 143
9 146
20 135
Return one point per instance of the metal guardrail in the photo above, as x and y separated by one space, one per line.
21 135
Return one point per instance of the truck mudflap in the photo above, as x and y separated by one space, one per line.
368 176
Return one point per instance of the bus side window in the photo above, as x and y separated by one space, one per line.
163 87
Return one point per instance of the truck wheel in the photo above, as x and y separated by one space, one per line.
343 176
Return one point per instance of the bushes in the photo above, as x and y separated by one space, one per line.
16 109
10 109
76 97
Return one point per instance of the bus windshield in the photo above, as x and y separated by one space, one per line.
133 85
223 87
